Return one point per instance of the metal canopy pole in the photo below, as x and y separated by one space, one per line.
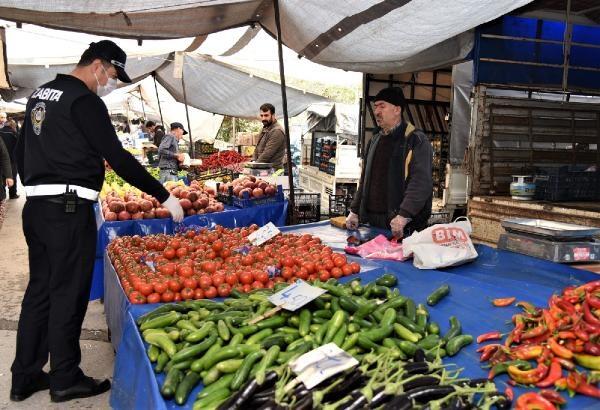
291 198
142 100
187 115
158 99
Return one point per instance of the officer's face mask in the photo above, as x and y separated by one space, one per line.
111 84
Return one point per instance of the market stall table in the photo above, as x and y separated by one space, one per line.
231 217
494 274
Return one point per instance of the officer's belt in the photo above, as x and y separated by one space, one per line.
59 189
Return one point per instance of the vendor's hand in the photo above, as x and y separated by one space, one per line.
352 221
9 182
172 204
180 157
397 224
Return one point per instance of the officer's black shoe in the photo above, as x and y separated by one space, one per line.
86 387
42 383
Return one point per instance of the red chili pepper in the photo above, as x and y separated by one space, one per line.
593 300
553 396
554 374
527 307
559 350
519 327
578 383
538 339
511 382
587 314
580 332
484 348
566 335
549 320
561 384
527 352
592 329
533 401
487 353
495 335
565 363
592 348
572 346
532 376
588 287
509 393
502 302
536 331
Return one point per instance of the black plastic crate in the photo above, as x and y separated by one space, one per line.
339 205
567 184
307 208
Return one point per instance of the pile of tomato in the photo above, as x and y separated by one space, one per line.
206 263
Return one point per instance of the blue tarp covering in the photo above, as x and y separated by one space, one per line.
529 54
231 217
494 274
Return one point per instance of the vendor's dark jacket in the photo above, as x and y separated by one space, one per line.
410 183
271 145
5 169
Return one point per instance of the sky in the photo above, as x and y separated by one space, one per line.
38 45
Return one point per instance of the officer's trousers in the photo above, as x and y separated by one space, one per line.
62 250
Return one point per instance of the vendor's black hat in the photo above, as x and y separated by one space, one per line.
392 95
112 53
178 125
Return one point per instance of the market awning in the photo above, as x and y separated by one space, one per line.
375 36
4 83
211 85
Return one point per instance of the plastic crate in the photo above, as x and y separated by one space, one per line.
339 205
307 208
248 202
567 184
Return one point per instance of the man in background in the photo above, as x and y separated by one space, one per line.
271 144
8 134
168 153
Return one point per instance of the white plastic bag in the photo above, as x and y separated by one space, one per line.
441 245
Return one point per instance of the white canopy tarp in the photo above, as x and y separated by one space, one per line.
211 85
335 117
360 35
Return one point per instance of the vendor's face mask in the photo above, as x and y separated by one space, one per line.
109 87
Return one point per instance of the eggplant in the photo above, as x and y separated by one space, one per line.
271 405
419 356
472 382
306 403
353 379
416 368
428 393
421 382
270 392
240 397
400 402
257 402
380 397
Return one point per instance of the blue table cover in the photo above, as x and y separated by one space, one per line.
231 217
494 274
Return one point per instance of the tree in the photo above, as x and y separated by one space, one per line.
241 125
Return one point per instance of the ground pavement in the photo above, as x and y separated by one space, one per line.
97 352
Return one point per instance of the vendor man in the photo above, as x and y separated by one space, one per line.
271 144
396 185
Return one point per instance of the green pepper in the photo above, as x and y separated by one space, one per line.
224 381
389 317
236 339
161 362
455 329
438 295
159 311
201 333
275 321
268 359
223 330
187 325
429 342
433 328
334 325
226 352
356 287
242 373
394 303
162 341
410 325
198 364
366 309
410 310
353 328
588 361
501 368
379 333
229 365
185 387
421 316
304 322
350 341
163 320
257 337
408 347
153 352
348 304
366 343
387 280
339 337
194 350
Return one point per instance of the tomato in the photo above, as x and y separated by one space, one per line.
210 255
184 270
302 274
160 287
187 293
287 273
209 266
177 297
205 281
262 277
218 279
278 279
246 278
174 285
347 270
288 261
336 272
146 289
339 260
167 296
181 252
175 243
328 264
224 290
210 292
153 298
270 284
217 246
198 293
355 267
247 288
247 260
225 253
231 279
324 275
167 269
257 285
309 266
137 298
190 283
169 253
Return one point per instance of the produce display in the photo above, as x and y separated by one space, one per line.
222 159
248 186
111 177
546 344
124 202
243 365
206 264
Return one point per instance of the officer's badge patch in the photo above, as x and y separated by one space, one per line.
37 117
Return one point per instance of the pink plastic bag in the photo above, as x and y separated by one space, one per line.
379 248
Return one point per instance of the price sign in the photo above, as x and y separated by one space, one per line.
262 235
296 295
321 363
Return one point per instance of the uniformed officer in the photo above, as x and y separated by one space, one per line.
65 137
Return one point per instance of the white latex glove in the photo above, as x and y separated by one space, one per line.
397 224
172 204
352 221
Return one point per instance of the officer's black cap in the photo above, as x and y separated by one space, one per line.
178 125
112 53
